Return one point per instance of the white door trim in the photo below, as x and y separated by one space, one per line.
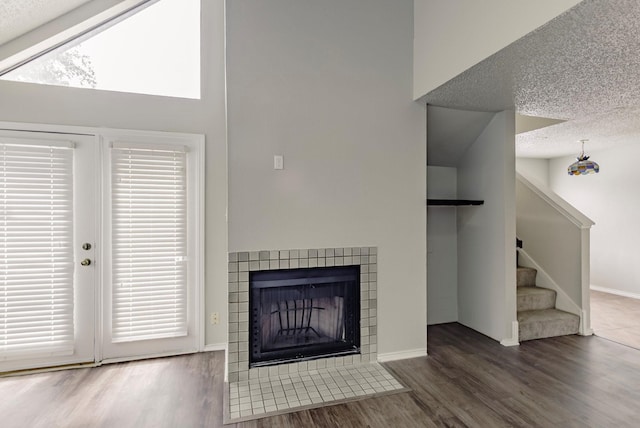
195 171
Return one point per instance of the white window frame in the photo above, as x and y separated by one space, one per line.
80 25
49 36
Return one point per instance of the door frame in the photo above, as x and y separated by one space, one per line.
199 215
195 175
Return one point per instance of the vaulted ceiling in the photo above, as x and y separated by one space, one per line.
582 67
18 17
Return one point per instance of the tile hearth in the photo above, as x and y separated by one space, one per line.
253 393
258 398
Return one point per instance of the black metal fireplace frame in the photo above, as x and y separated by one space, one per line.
306 277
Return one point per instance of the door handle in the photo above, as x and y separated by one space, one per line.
85 262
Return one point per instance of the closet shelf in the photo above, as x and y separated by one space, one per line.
453 202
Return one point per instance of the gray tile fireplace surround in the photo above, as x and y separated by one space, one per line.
241 263
252 393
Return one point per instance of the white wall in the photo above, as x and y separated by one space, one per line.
328 85
486 233
536 170
610 199
442 248
31 103
452 36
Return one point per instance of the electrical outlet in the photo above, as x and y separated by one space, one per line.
215 318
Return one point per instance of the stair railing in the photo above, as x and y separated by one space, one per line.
557 237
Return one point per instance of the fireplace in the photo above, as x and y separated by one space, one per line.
245 264
303 314
317 337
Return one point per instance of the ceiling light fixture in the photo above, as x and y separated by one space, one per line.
583 166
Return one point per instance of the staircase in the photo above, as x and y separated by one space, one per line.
537 316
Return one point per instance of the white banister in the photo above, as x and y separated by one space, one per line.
569 211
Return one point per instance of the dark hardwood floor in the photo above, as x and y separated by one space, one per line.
467 380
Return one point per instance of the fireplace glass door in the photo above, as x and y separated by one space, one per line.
301 314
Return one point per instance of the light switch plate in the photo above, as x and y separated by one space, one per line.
278 162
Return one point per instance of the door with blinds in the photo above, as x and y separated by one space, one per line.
48 199
149 292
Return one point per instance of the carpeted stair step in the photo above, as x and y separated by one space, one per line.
546 323
526 277
535 298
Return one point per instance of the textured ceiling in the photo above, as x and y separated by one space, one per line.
583 66
18 17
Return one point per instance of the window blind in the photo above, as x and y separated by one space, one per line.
36 250
149 248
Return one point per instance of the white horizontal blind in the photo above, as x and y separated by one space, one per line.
149 248
36 250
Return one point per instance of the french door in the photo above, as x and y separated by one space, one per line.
150 262
100 255
48 223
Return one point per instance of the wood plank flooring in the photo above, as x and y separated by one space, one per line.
616 318
467 380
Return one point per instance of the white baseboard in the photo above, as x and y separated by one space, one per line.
509 342
402 355
616 292
215 347
513 340
147 356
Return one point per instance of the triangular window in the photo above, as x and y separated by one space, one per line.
154 51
